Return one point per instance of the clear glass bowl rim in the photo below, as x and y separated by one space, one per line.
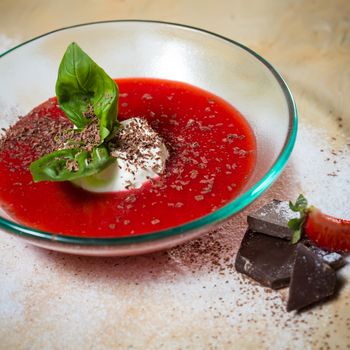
224 212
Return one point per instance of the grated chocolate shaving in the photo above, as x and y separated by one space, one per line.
137 143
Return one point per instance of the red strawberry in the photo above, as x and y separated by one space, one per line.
324 230
327 231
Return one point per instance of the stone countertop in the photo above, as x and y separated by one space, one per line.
190 297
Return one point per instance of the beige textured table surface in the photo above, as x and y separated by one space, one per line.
190 297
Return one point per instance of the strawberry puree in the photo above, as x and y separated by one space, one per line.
212 153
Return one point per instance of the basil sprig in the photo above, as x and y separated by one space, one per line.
53 166
81 84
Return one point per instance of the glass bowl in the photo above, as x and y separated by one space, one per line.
135 48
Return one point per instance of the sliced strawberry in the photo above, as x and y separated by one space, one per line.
327 231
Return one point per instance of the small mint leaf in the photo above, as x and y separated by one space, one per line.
301 202
299 205
293 207
294 224
296 236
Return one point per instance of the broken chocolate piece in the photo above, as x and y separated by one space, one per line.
312 280
272 219
267 260
333 259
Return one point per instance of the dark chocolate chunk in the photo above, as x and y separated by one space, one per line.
272 219
312 280
335 260
267 260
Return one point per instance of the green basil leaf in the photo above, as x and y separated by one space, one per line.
82 83
53 166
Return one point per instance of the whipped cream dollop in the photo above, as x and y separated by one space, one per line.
140 155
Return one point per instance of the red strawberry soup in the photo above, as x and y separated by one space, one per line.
212 154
